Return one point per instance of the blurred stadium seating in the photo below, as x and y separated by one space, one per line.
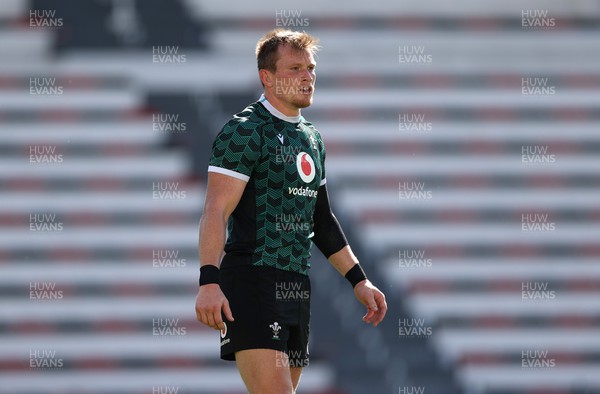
431 169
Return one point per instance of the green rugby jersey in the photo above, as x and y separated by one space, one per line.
282 159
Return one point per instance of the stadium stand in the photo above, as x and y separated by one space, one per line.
471 203
99 217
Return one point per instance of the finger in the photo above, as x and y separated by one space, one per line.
218 321
227 311
382 309
368 316
211 320
205 318
370 302
378 318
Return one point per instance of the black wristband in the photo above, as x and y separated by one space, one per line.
208 274
355 275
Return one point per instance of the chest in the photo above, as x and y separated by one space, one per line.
291 155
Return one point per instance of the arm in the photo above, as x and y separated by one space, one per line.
222 196
330 239
368 295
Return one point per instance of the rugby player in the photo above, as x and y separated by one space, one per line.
266 203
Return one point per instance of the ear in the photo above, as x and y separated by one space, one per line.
266 77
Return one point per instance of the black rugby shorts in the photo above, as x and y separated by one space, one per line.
271 308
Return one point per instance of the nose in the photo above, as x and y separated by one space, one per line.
308 75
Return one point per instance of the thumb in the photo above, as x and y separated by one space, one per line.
227 310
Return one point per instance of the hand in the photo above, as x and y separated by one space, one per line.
371 297
210 301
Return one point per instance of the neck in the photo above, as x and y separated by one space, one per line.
276 112
280 106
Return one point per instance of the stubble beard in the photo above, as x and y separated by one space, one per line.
302 102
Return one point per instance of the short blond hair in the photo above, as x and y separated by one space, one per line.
267 46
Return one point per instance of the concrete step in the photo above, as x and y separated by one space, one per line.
98 310
382 236
364 98
524 200
583 378
48 162
57 236
467 133
46 94
186 198
138 132
529 164
149 344
13 9
315 380
432 306
456 342
23 46
429 8
107 273
411 265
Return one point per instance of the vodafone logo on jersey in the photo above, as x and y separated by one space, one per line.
306 167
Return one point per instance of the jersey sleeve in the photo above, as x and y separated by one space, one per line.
322 154
236 150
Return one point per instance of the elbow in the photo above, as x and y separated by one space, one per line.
212 214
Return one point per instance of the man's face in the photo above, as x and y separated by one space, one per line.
294 78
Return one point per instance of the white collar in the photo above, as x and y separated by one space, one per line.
292 119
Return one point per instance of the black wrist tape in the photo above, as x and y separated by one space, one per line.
208 274
355 275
